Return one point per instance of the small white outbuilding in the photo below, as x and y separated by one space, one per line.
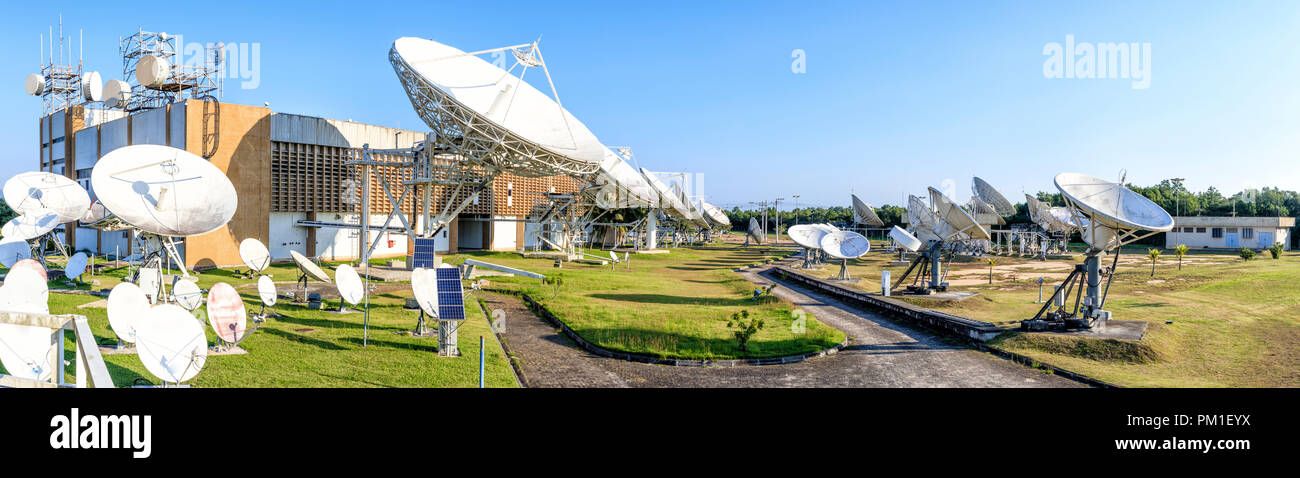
1227 232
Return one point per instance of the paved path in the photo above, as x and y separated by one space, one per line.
882 354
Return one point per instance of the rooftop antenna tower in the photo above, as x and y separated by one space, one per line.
61 84
155 76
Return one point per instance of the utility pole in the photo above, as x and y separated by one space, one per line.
1178 186
777 227
796 209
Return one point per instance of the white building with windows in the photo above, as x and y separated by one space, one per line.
1227 232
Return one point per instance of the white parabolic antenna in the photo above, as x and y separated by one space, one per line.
863 213
668 201
254 254
845 245
92 87
452 89
30 226
1116 214
152 71
164 190
116 93
35 84
424 284
170 343
187 294
991 196
308 267
755 231
266 290
226 312
905 239
718 216
34 266
25 350
38 190
14 250
126 305
75 266
807 236
954 222
349 284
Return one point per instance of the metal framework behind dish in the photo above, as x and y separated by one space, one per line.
464 132
196 81
62 81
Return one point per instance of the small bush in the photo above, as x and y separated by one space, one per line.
1247 254
1276 250
745 327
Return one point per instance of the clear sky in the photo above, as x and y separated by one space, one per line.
896 96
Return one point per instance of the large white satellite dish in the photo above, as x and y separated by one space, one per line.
863 213
349 284
170 343
309 268
628 187
92 87
164 190
126 305
14 250
40 191
117 93
25 350
668 201
755 231
152 71
718 216
845 245
75 266
254 254
954 222
1115 214
266 290
991 196
424 285
452 89
30 226
905 239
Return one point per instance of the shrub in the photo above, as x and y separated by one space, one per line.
1276 250
1247 254
745 327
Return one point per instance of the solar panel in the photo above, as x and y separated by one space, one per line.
424 253
451 300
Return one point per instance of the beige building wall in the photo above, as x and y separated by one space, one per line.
244 154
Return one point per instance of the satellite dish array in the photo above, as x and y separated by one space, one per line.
937 228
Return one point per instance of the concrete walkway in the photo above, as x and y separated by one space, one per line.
882 354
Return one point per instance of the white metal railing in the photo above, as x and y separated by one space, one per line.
90 368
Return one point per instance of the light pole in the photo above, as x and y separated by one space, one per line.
776 228
1178 199
796 209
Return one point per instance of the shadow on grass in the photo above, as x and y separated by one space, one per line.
896 348
394 345
304 339
673 299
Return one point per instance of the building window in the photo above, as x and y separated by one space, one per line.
1189 229
1232 230
1247 233
1200 230
1216 232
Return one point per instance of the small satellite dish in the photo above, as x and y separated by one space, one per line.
75 266
991 196
170 343
14 250
308 267
34 266
164 190
25 350
152 72
1115 213
807 236
35 84
187 294
613 257
755 231
92 87
35 191
226 312
126 305
349 284
30 226
266 290
905 239
254 254
845 245
150 281
863 213
116 93
424 284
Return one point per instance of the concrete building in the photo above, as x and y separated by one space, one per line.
1226 232
287 169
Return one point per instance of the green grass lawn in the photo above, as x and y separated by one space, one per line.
667 305
1235 323
312 348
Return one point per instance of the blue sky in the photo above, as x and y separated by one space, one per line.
897 96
